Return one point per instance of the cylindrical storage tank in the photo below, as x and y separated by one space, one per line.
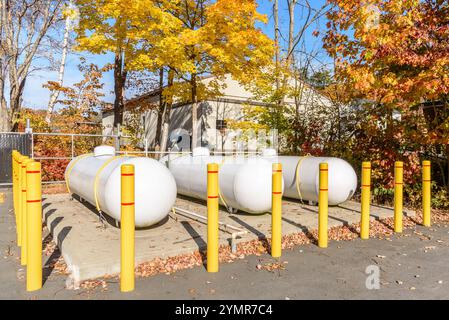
245 183
341 175
96 178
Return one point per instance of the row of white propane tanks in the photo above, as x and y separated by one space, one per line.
244 182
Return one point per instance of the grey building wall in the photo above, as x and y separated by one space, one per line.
228 106
181 118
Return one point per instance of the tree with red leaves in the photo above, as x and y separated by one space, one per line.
395 56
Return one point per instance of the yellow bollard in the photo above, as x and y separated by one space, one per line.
23 212
398 192
276 211
34 226
426 192
19 199
15 154
365 201
127 257
323 206
212 217
17 208
14 183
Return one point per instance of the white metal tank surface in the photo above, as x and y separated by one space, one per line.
341 175
244 183
155 187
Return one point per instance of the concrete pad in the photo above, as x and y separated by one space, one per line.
92 250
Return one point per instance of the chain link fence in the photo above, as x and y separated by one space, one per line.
8 142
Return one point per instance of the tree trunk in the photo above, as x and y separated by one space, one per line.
160 112
194 98
119 88
276 42
4 116
289 60
291 30
23 26
55 94
167 113
15 104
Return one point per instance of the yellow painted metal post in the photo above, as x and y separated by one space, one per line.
276 211
14 186
365 201
20 158
14 183
212 217
34 225
323 206
426 192
23 214
398 194
127 277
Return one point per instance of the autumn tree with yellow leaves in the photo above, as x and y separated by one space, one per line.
103 28
188 38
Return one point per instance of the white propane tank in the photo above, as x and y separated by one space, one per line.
244 183
341 175
155 187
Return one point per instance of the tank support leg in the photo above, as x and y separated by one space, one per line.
234 241
101 219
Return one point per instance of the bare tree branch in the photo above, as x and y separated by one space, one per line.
24 26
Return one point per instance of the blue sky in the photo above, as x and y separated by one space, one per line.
37 97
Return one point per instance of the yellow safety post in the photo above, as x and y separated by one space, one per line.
23 213
212 217
14 183
15 154
20 199
398 193
426 184
34 226
127 256
365 201
276 211
323 206
17 194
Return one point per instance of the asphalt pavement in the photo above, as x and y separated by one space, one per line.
413 265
